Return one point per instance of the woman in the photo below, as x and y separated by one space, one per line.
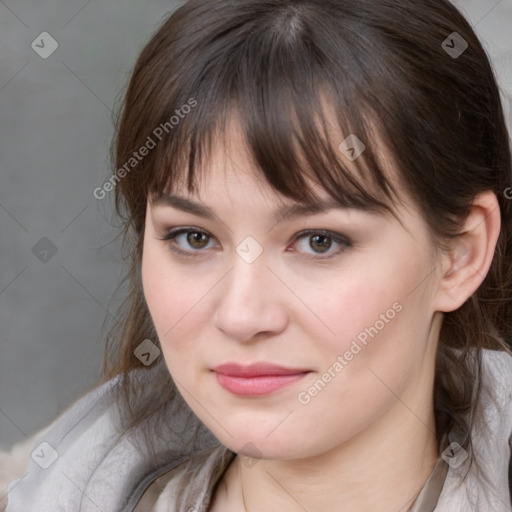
315 201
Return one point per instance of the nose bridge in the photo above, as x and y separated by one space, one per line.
245 306
249 268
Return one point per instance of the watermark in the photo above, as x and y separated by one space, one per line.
143 151
147 352
249 249
454 45
254 454
44 250
508 193
44 455
352 147
454 455
304 397
44 45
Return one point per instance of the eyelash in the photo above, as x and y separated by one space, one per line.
337 238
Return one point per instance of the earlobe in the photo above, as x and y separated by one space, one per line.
467 264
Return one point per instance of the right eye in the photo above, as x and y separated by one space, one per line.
194 237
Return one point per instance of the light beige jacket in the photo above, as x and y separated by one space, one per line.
77 466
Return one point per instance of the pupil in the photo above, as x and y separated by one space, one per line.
195 236
325 246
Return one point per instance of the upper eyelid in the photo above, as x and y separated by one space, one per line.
338 238
179 230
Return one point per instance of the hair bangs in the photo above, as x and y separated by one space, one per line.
295 136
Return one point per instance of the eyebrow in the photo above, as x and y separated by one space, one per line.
291 210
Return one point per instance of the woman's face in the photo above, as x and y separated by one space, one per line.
359 318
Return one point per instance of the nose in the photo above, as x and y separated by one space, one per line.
251 301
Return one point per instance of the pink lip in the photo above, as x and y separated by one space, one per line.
256 379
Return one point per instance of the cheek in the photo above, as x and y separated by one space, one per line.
356 300
177 301
381 329
374 311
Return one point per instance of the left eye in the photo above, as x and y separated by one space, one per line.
196 238
324 240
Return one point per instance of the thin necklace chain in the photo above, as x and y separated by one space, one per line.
243 496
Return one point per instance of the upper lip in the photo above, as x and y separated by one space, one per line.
256 369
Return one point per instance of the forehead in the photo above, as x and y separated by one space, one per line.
239 160
229 179
229 174
280 208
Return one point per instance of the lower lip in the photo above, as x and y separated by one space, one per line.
256 386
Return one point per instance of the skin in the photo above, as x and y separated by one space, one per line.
367 441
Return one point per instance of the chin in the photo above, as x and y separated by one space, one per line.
260 446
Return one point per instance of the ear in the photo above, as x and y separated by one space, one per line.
464 267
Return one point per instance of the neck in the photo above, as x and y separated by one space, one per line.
361 475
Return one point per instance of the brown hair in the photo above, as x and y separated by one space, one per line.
378 61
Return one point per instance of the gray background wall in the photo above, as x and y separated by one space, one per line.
55 132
